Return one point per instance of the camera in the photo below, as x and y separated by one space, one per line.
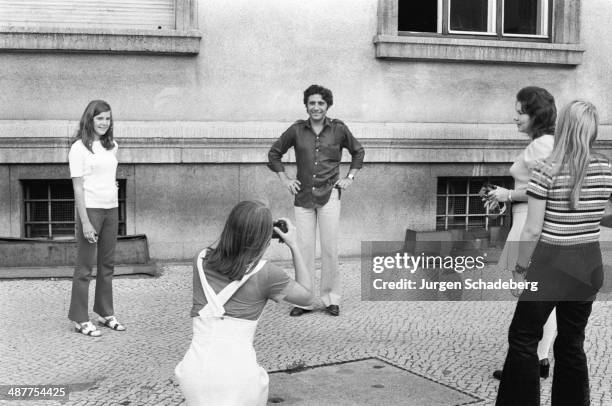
282 225
485 189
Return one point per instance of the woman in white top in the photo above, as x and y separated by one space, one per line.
93 168
231 286
535 116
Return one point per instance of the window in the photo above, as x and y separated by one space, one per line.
514 31
459 206
474 16
419 16
526 18
49 208
150 14
152 26
519 18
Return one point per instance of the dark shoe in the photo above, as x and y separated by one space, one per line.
544 368
298 311
497 374
333 310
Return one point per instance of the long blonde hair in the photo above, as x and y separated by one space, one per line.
576 132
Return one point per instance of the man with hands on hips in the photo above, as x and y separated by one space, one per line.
318 144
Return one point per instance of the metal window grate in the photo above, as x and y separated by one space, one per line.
459 206
49 209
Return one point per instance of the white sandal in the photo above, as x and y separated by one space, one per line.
111 322
87 328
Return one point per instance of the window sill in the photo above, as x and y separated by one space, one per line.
488 51
166 42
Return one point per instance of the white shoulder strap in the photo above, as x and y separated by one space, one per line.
215 302
228 291
211 298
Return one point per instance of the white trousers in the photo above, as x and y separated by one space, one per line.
508 259
328 219
220 367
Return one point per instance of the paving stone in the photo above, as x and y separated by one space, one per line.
458 344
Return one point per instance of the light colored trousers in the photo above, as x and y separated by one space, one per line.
328 219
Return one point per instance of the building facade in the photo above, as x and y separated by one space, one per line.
200 89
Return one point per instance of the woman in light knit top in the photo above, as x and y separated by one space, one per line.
93 168
560 251
535 116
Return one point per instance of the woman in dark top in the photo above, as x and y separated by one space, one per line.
559 250
231 285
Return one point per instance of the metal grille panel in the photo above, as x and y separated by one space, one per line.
50 209
459 206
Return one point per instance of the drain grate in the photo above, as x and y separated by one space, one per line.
362 382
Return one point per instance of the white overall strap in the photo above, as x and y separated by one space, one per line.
213 303
228 291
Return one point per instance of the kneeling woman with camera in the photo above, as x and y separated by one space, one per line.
231 285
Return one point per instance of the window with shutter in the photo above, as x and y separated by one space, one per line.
143 14
151 26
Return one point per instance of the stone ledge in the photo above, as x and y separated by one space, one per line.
169 42
10 272
476 50
225 130
41 142
245 150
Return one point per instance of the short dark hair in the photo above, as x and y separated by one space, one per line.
325 93
243 241
539 104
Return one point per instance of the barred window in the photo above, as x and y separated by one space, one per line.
460 206
49 209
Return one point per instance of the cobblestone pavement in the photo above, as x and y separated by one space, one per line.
457 344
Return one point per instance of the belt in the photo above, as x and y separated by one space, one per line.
327 183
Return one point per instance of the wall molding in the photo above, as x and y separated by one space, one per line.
107 41
147 142
474 50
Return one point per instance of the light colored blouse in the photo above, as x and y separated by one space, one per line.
537 150
99 172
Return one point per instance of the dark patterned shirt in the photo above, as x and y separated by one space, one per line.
317 157
563 225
